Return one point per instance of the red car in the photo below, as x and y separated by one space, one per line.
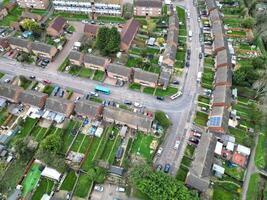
47 82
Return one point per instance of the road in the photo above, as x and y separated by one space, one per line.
183 119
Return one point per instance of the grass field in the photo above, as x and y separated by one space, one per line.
201 118
45 187
38 133
81 143
135 86
168 92
141 145
99 75
253 188
69 181
182 173
27 126
12 16
261 149
31 180
3 115
83 186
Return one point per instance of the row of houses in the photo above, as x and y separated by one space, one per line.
115 71
127 34
65 108
4 10
169 55
38 48
198 176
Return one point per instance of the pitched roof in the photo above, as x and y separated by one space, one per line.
90 28
10 92
223 57
222 75
128 31
211 4
215 15
164 78
199 174
42 47
219 118
222 94
58 23
148 3
172 37
173 21
88 108
170 53
33 98
75 55
18 42
59 105
119 69
127 117
4 43
145 76
218 33
96 60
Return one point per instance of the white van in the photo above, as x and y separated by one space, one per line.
199 75
175 96
190 33
120 189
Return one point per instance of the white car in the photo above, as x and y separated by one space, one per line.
120 189
94 94
99 188
178 94
177 143
7 80
138 105
159 152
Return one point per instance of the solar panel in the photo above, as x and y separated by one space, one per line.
215 121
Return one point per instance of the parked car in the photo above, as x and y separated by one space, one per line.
194 140
159 167
127 102
167 168
7 80
196 134
46 60
200 55
32 77
47 82
188 51
203 109
187 64
159 152
160 98
177 143
120 189
94 94
138 105
99 188
176 82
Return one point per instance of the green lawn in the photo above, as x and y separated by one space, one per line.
149 90
182 173
241 136
25 83
203 99
135 86
69 181
224 192
78 142
235 172
13 16
3 115
133 62
48 89
168 92
186 161
83 186
260 156
111 19
27 126
99 75
85 72
71 16
253 187
189 151
114 149
38 133
181 14
45 187
201 118
141 145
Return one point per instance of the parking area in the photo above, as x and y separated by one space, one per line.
109 193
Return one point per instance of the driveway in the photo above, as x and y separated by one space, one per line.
108 194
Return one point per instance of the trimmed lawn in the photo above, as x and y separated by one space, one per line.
85 72
186 161
222 191
69 181
201 118
99 75
25 83
135 86
3 115
12 16
133 62
27 126
253 187
189 151
110 144
115 147
78 142
45 187
111 19
38 133
48 89
181 14
241 136
71 16
234 172
260 156
168 92
141 145
83 185
149 90
203 99
182 173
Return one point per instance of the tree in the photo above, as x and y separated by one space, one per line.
245 76
259 62
151 25
22 148
158 185
30 25
51 143
108 40
162 119
248 22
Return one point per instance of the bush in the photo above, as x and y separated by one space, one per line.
163 120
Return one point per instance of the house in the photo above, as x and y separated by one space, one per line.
169 56
90 30
60 105
119 72
172 38
33 98
220 42
215 15
44 50
223 59
198 176
221 96
223 76
131 119
145 78
76 58
150 8
10 92
88 108
4 44
36 4
218 120
173 22
29 15
3 12
94 7
95 62
164 78
128 33
211 5
19 44
56 27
